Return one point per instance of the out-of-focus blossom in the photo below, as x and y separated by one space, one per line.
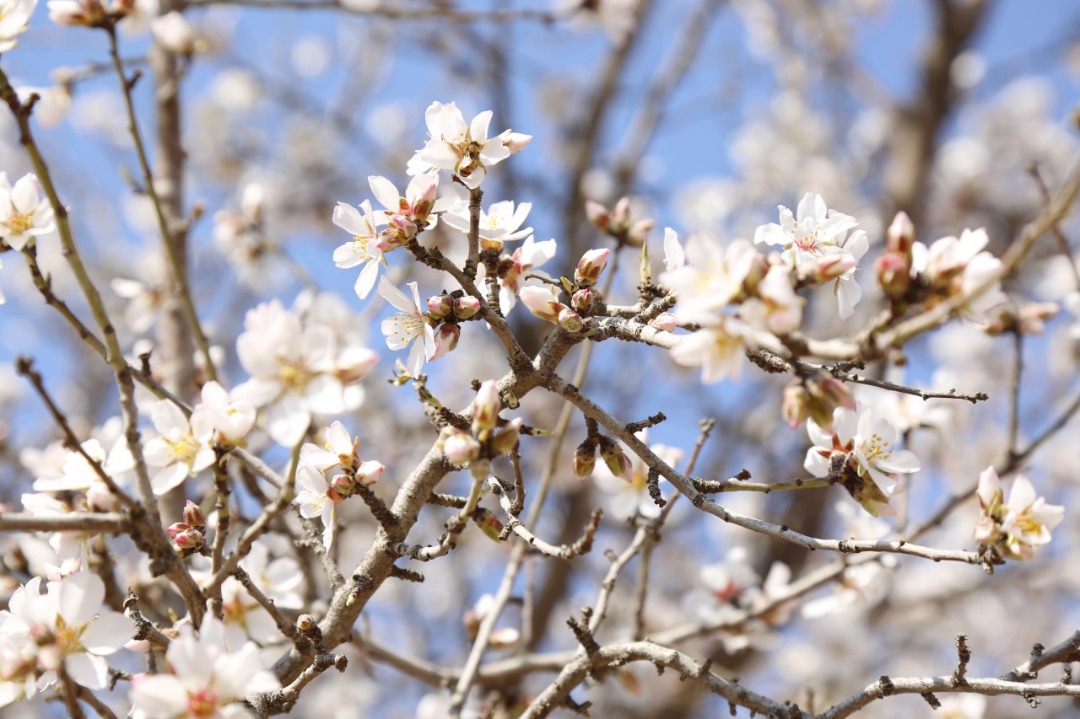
14 19
958 266
718 349
63 630
859 451
230 419
204 678
501 223
183 448
705 274
1014 528
174 33
512 270
627 493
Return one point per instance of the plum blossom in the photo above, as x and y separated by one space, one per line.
859 450
204 680
298 369
409 326
328 475
817 245
1014 528
960 266
628 494
184 448
465 149
705 274
14 19
512 280
718 349
231 419
62 630
363 248
501 223
77 474
24 212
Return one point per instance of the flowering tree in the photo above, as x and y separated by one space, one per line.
360 444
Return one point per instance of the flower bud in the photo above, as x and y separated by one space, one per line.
639 232
825 395
584 459
616 460
343 484
598 215
446 339
486 408
794 407
459 448
422 207
305 623
186 537
832 266
439 307
193 516
900 237
515 141
582 300
541 302
490 525
620 215
894 274
570 321
664 321
589 267
466 307
370 472
506 438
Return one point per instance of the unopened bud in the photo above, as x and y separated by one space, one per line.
570 321
639 232
480 469
343 484
185 536
589 267
584 459
541 302
900 237
506 438
582 300
305 623
664 321
894 274
370 472
832 266
598 215
616 460
446 339
515 141
486 408
826 394
794 407
193 516
439 307
459 447
466 307
489 524
620 215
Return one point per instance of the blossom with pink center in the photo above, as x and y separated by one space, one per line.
408 327
500 223
859 451
205 680
63 630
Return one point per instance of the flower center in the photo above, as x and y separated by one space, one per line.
876 448
294 377
19 222
202 703
183 449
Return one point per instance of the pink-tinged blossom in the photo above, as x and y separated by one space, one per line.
706 275
959 266
775 307
718 349
64 629
14 19
463 148
316 498
409 326
859 451
627 494
590 266
363 249
542 301
512 279
230 419
183 448
205 680
25 213
297 369
817 244
1014 528
501 223
77 474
